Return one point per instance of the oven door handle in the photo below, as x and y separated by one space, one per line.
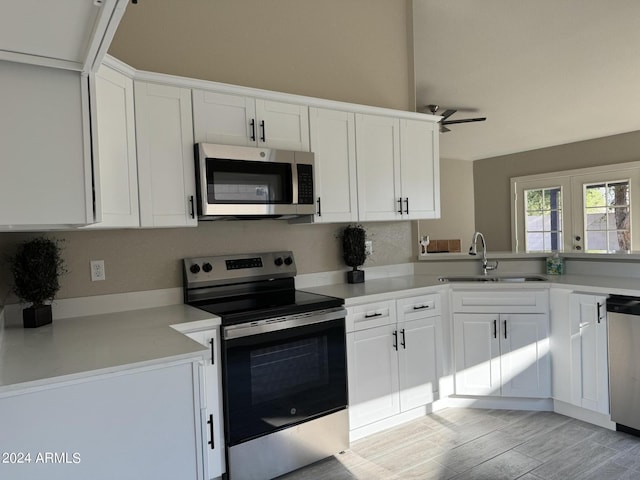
282 323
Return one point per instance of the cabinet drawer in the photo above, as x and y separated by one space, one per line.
422 306
361 317
506 301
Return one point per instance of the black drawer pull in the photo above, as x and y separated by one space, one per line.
395 339
495 329
213 353
253 129
403 343
371 315
421 307
210 423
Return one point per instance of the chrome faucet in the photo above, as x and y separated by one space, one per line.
473 250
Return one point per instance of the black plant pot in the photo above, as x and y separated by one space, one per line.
34 317
355 276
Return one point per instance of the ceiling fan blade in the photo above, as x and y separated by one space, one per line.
464 120
447 113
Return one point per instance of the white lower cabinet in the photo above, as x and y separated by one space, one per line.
589 354
142 423
501 354
394 352
213 437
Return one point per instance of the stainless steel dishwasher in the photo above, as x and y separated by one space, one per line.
624 361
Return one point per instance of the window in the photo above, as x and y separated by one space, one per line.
543 211
607 213
590 210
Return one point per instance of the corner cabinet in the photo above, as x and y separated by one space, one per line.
45 147
501 343
333 142
247 121
398 168
589 353
394 359
114 150
166 169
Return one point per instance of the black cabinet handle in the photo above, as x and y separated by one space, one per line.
192 207
213 354
264 132
400 205
395 339
495 329
406 201
253 129
403 340
371 315
505 329
210 423
421 307
599 315
319 212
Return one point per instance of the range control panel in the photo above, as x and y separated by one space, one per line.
218 270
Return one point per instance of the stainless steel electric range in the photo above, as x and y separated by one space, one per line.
283 362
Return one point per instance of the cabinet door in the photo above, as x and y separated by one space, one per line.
477 353
223 118
141 424
589 354
420 361
115 150
165 155
378 164
45 151
213 438
372 359
333 139
420 169
524 350
282 125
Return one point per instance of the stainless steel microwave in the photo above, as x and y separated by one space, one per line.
248 182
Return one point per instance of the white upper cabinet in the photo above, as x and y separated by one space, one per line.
166 169
420 168
333 142
46 179
68 34
114 143
243 120
378 162
398 168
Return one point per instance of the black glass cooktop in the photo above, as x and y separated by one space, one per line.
250 303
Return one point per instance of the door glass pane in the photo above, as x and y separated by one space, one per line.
543 214
607 213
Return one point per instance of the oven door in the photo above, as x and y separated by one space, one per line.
279 373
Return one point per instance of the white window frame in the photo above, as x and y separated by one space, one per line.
571 181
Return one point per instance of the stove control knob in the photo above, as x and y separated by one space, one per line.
207 267
195 268
278 261
288 261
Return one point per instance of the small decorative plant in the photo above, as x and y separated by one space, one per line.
36 267
354 251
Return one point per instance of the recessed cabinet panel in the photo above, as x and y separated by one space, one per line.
477 354
222 118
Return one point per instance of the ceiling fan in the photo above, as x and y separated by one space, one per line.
446 114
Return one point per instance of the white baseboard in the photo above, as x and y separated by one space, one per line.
589 416
501 403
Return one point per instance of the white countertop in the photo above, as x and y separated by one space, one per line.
83 346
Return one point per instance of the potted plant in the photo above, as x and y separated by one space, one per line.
36 267
354 251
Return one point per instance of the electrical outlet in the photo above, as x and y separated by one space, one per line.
368 247
97 270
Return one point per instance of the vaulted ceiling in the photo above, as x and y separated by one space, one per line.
543 72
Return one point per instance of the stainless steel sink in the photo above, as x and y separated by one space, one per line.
494 278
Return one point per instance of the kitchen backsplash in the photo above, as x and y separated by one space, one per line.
149 259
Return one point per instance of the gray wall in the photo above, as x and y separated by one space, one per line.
491 177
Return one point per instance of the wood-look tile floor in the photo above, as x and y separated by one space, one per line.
474 444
